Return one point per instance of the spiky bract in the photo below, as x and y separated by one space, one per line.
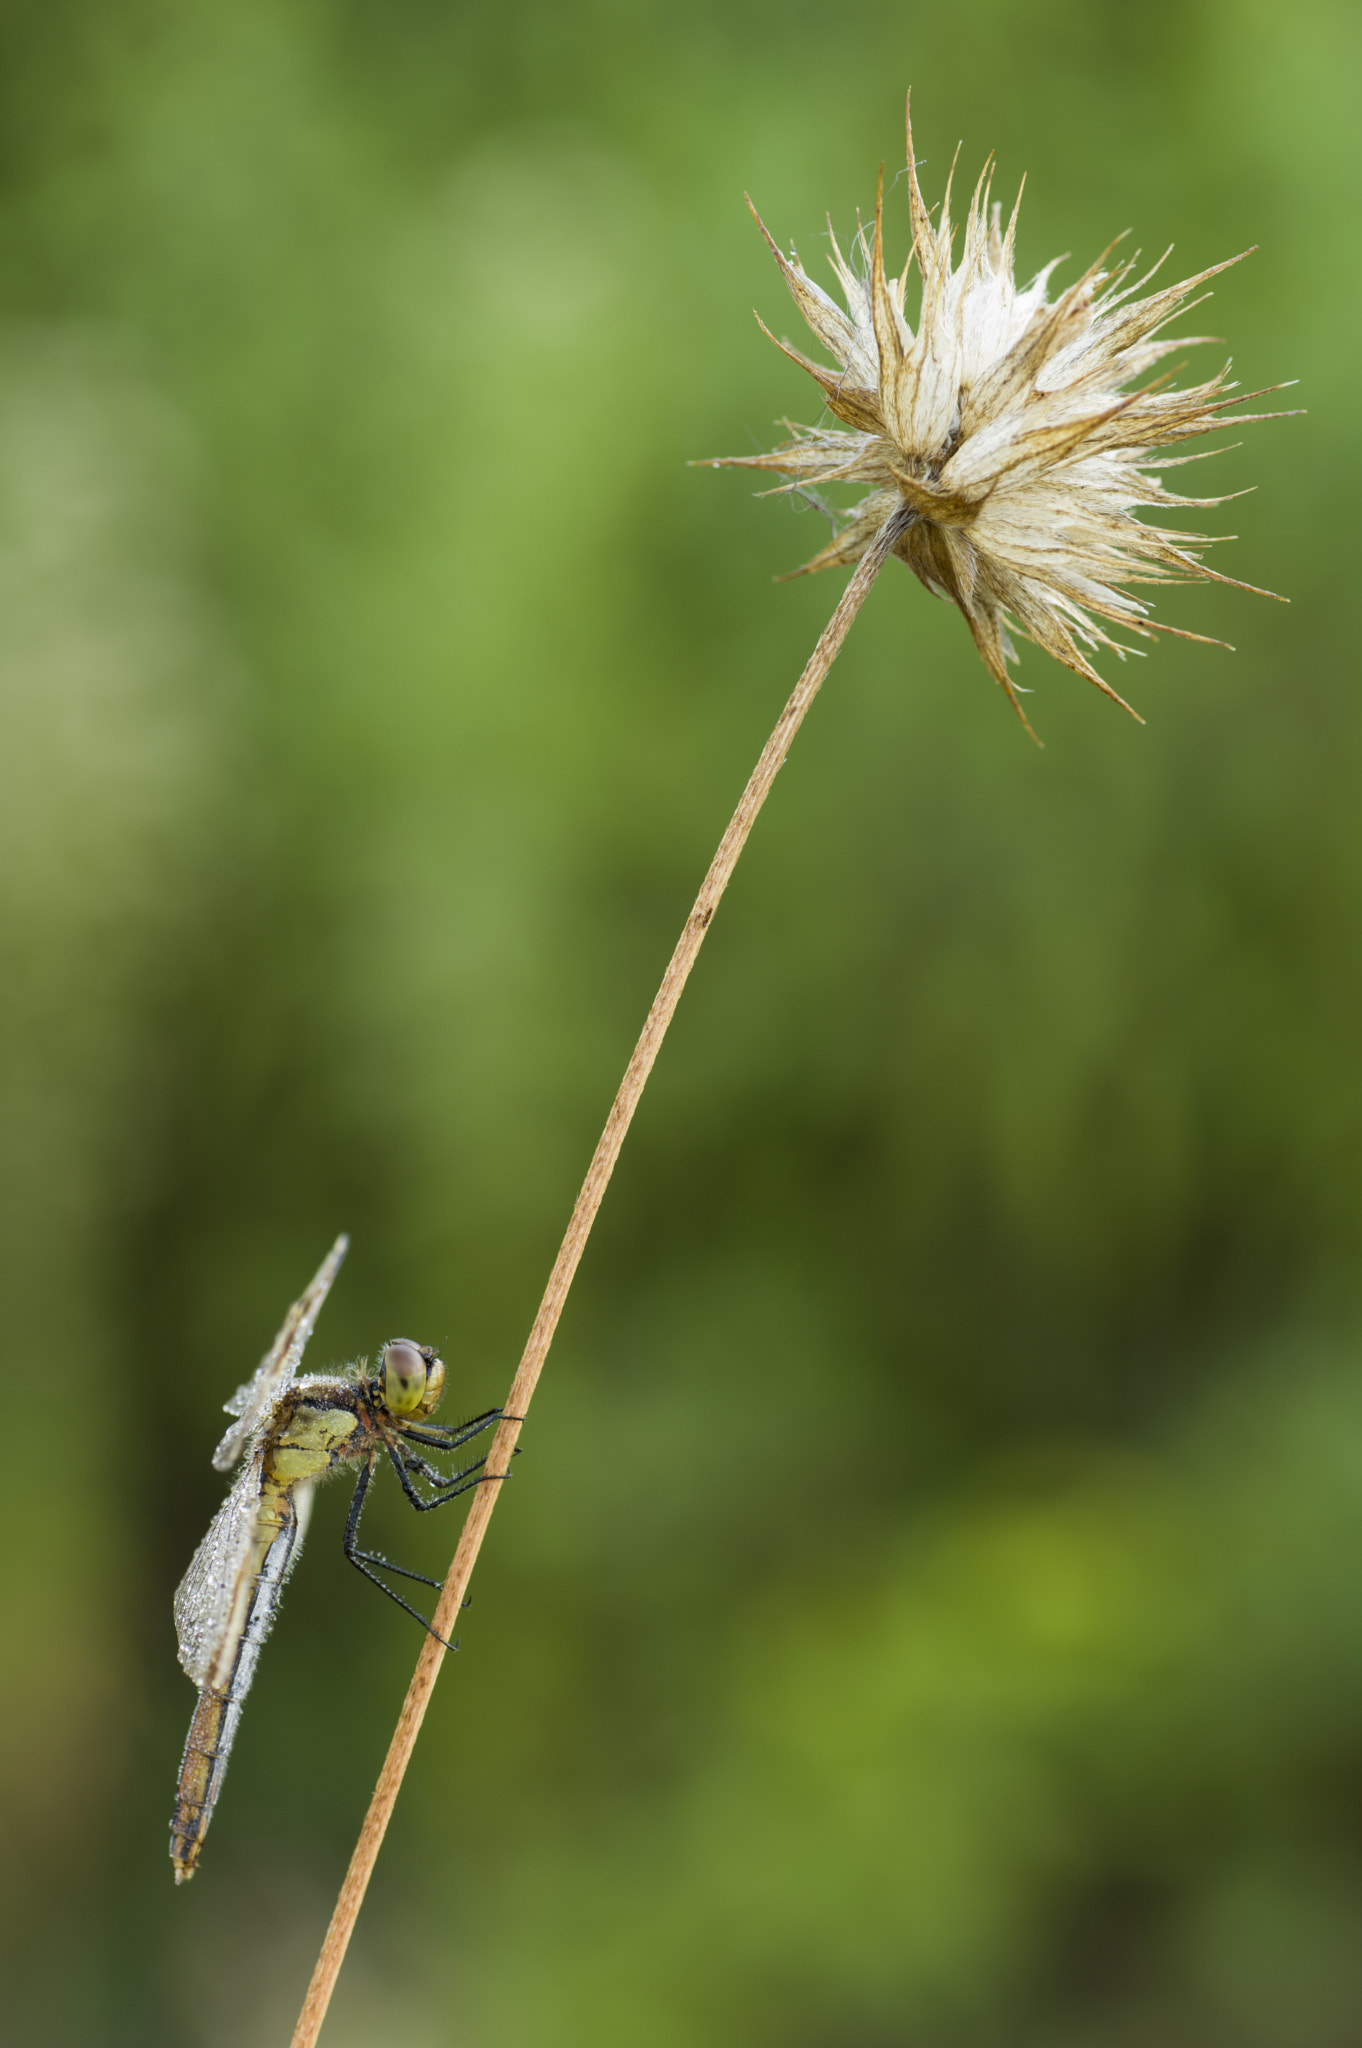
1006 427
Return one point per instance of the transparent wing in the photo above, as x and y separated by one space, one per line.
253 1402
219 1600
207 1598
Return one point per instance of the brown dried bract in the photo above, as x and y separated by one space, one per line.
1005 427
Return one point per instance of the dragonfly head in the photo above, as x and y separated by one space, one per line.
412 1378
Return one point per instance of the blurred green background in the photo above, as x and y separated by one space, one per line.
928 1613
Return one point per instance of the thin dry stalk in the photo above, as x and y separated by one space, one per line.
565 1266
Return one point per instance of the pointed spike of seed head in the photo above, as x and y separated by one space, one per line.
1022 433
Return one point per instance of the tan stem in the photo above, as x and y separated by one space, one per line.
560 1279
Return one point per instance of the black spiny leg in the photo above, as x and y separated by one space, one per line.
362 1560
450 1436
444 1489
433 1436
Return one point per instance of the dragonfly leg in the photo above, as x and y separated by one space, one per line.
442 1436
364 1560
422 1469
445 1489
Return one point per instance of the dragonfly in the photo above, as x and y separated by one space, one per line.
291 1433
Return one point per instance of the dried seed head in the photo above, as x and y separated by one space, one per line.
1004 429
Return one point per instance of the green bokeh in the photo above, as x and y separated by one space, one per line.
928 1613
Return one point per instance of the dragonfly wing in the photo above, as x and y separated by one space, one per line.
253 1402
210 1595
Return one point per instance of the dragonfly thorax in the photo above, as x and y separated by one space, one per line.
411 1378
288 1433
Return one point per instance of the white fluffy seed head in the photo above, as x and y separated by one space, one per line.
1006 428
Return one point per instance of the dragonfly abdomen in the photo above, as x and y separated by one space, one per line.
202 1770
208 1746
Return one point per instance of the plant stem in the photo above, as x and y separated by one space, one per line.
565 1266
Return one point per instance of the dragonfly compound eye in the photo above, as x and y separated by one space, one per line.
404 1377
